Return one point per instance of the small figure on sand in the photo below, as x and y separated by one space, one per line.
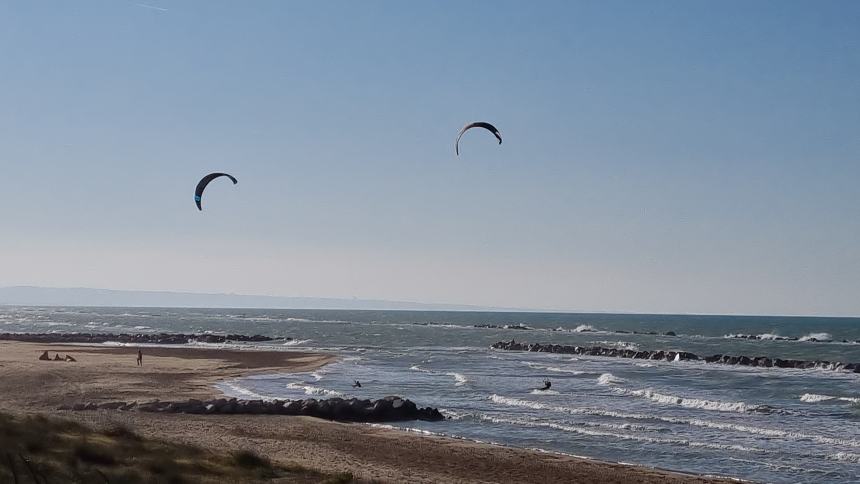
357 384
546 385
139 358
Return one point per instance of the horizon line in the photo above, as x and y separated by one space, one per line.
460 307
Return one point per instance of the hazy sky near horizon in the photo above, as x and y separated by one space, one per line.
686 156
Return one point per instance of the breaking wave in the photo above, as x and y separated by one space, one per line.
459 378
313 390
817 337
701 404
695 422
609 379
815 398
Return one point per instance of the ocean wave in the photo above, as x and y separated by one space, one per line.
697 403
695 422
538 391
459 378
584 328
621 345
296 342
844 457
814 398
822 337
609 379
584 430
314 390
763 336
564 370
418 368
235 390
603 425
556 369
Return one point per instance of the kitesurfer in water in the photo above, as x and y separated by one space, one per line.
357 384
546 385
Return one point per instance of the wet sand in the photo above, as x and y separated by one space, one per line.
103 374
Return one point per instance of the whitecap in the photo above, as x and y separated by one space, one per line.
296 342
845 457
564 370
314 390
235 390
624 436
796 436
538 391
815 398
817 337
459 378
697 403
609 379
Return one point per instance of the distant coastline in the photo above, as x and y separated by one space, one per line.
125 298
82 296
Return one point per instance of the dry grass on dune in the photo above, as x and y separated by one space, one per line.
37 449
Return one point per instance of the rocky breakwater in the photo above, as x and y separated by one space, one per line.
388 409
760 361
504 326
139 338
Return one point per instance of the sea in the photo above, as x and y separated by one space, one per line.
760 424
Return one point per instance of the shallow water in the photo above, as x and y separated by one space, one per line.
767 424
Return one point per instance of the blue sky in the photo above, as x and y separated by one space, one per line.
658 156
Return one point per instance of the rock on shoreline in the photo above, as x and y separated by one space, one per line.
760 361
140 338
388 409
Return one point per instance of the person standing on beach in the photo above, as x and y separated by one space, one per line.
139 358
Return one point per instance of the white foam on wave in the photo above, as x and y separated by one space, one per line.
784 434
770 336
817 337
584 328
296 342
556 369
815 398
406 429
697 403
845 457
314 390
317 376
763 336
459 378
621 345
564 370
584 430
609 379
623 426
238 391
418 368
538 391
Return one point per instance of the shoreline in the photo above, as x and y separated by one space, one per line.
370 452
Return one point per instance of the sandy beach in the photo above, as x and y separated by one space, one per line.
103 374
